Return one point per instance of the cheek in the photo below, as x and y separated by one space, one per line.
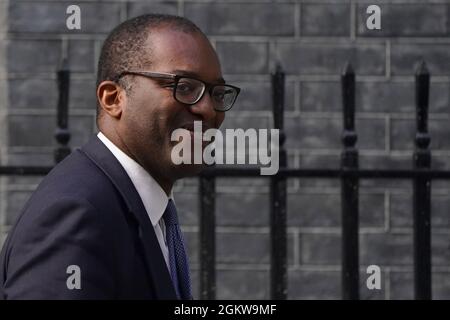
150 112
140 123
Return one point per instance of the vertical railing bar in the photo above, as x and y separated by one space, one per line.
422 190
207 238
62 133
349 191
278 270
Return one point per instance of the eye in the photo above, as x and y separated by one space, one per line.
220 94
185 87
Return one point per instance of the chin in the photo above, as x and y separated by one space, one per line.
188 170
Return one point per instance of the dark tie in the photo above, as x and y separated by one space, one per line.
179 268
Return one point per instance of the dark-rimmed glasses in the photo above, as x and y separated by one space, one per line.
188 90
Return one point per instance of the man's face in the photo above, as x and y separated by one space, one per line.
151 113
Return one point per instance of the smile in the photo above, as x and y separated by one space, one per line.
211 146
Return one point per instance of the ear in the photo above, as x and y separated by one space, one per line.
112 98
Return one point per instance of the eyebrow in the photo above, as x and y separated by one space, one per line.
195 75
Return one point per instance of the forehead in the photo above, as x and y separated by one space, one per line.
177 50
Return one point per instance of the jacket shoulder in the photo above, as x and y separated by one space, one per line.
70 220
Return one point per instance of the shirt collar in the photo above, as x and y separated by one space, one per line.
153 196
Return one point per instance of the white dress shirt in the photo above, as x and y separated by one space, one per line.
154 198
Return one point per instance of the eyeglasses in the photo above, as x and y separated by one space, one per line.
189 90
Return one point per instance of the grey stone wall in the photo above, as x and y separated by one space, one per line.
312 40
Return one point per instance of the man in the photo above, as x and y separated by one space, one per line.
103 223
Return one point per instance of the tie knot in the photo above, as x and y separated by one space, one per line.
170 215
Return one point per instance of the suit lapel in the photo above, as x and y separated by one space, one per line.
105 160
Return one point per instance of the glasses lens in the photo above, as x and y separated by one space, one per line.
223 97
189 90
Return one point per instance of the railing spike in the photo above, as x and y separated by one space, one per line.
348 69
422 68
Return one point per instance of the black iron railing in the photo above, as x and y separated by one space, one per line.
62 133
349 174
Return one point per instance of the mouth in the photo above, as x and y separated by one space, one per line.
197 134
190 127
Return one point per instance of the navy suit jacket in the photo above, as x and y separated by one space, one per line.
86 212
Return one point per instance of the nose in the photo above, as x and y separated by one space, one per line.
205 108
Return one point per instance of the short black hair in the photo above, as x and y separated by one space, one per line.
123 49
